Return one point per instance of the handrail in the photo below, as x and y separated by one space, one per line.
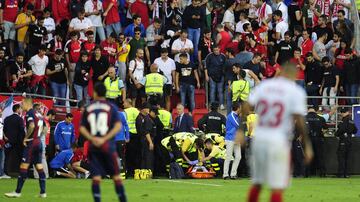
39 96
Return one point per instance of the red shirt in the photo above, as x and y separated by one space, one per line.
113 14
300 73
10 9
259 49
73 48
38 4
107 49
306 46
340 59
225 40
60 9
270 70
140 8
234 46
88 47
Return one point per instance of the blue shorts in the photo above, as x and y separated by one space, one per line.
103 162
32 153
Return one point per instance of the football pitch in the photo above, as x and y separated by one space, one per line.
163 190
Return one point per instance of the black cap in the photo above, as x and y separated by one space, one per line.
145 105
155 110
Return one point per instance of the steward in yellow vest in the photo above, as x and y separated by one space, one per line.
115 91
214 156
240 88
154 85
133 148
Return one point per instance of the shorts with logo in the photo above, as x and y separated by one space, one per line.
32 152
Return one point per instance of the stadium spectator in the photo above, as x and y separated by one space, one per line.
49 24
140 8
21 74
4 72
285 49
168 67
89 44
311 12
243 56
37 33
229 18
111 17
72 55
93 10
109 48
154 37
281 26
214 68
130 29
99 65
313 78
299 62
330 83
136 43
57 72
351 72
322 27
281 6
38 65
23 20
82 77
319 49
223 38
81 24
8 13
186 79
254 65
136 74
123 52
182 45
305 43
204 49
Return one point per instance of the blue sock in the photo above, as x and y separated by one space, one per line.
120 190
42 181
96 190
21 179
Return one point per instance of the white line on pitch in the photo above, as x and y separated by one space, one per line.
193 183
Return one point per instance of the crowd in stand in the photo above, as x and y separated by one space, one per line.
47 46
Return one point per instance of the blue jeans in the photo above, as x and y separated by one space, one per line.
116 27
219 87
228 99
2 161
187 90
352 91
194 36
101 32
81 93
58 90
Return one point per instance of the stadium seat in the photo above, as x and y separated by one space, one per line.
198 114
200 98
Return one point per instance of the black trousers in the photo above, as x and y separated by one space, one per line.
13 157
343 158
121 151
298 159
133 154
147 155
161 154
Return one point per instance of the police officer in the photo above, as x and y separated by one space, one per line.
158 127
133 152
154 85
146 129
115 91
316 124
345 131
213 122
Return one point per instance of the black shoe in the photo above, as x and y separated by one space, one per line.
226 178
346 176
233 177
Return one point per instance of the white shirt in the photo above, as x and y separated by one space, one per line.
276 101
166 67
339 7
282 27
139 70
268 11
89 8
284 9
50 26
178 45
229 17
78 24
38 65
239 26
1 129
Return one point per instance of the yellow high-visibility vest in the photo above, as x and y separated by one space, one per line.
131 114
240 90
154 83
217 139
112 88
165 118
357 2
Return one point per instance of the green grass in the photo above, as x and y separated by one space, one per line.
302 190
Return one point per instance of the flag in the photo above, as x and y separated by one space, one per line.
7 106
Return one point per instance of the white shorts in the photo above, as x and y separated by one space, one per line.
270 162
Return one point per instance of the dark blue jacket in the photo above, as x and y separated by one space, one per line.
186 124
